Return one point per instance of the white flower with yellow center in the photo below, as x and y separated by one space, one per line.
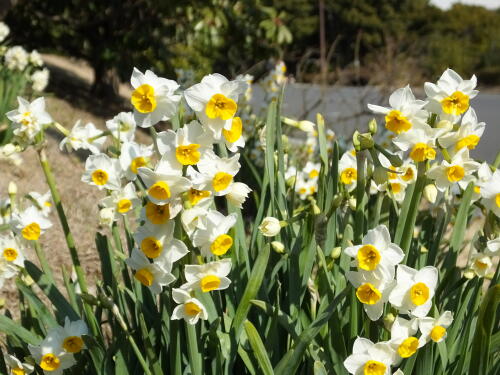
481 264
11 250
185 146
238 194
7 270
50 356
214 100
435 329
85 137
451 95
233 137
159 214
30 223
370 359
42 201
458 170
421 144
467 135
194 218
214 173
213 239
122 126
376 256
153 98
122 201
189 308
484 173
103 172
16 367
348 172
311 170
153 275
405 112
134 156
207 277
403 340
414 290
29 118
158 243
371 292
490 191
305 188
70 336
164 185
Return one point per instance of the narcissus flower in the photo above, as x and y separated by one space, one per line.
162 187
7 270
348 172
153 275
122 126
434 329
371 292
132 157
420 143
83 137
214 240
70 336
50 356
194 218
184 146
377 255
103 172
122 201
270 226
238 194
16 367
189 308
214 100
403 339
490 191
405 112
42 201
233 137
414 290
30 223
29 118
458 170
467 135
157 242
311 170
214 173
208 276
369 358
451 95
11 250
481 264
153 98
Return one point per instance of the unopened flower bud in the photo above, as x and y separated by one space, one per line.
106 216
372 126
388 320
469 274
12 189
278 247
430 193
270 226
336 252
352 203
306 126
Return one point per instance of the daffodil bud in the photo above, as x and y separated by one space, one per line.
291 180
315 208
270 226
388 320
12 189
90 299
352 203
372 126
355 141
336 252
278 247
106 216
469 274
365 141
430 193
306 126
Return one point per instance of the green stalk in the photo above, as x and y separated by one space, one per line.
359 215
411 216
43 261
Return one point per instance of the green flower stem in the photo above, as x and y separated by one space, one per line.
411 216
359 214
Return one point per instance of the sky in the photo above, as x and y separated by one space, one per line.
493 4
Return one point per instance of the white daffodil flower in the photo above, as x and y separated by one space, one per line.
208 276
30 223
195 217
481 264
305 188
159 214
11 250
434 329
122 201
420 142
29 118
403 340
83 137
214 173
184 146
164 186
371 292
405 112
190 309
213 239
377 255
238 194
16 367
153 275
490 191
103 172
270 226
414 290
7 270
214 100
132 157
153 98
468 134
484 173
458 170
122 126
70 336
40 79
42 201
370 358
4 31
50 356
348 172
311 170
233 137
450 96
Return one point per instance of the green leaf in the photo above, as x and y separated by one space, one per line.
10 327
258 348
